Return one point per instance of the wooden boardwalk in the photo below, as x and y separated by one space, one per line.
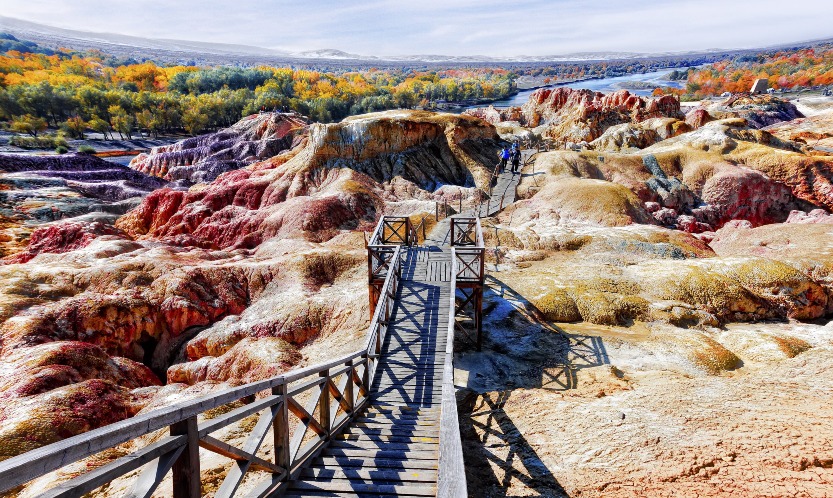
503 194
393 449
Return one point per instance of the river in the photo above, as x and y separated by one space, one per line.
604 85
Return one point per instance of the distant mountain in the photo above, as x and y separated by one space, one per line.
71 37
53 37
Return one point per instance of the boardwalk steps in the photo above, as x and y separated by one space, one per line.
393 449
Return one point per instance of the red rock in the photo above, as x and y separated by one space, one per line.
63 237
332 184
742 193
45 418
584 115
697 118
250 360
48 366
814 216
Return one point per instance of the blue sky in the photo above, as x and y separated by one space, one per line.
449 27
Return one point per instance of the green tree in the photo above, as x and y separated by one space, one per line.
101 126
194 120
121 121
31 125
75 127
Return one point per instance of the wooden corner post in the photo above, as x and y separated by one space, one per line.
186 469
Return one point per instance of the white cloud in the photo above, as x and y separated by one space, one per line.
453 27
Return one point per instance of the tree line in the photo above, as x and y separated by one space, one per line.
80 92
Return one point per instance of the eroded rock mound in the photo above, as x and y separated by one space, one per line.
759 111
37 190
203 158
584 115
333 183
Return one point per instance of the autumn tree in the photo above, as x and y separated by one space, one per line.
28 124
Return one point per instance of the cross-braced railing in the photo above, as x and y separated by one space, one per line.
301 410
390 233
468 260
466 231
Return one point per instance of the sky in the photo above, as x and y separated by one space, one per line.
448 27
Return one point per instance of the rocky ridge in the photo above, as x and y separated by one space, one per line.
203 158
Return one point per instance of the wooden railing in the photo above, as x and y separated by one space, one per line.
324 398
466 231
390 233
468 259
451 481
392 230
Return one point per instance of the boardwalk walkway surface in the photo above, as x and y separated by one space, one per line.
393 449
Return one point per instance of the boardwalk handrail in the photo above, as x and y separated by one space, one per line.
451 481
392 230
466 231
336 403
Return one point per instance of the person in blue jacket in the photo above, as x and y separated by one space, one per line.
504 158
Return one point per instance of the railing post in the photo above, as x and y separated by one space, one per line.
324 403
280 428
366 374
186 469
348 389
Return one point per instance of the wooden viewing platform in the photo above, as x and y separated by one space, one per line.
381 421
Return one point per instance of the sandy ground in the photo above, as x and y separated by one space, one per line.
587 410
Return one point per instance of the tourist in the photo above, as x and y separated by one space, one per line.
516 160
504 158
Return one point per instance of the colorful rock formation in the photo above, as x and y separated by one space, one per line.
228 282
758 110
36 190
583 115
202 159
334 182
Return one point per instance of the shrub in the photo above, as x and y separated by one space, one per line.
40 142
61 149
557 306
86 149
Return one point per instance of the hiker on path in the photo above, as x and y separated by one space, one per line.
516 160
504 158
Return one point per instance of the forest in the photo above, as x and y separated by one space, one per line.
784 69
91 91
75 92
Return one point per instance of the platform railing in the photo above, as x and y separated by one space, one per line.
468 259
303 409
451 482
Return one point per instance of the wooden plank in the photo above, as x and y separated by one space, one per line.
333 494
398 423
375 475
385 454
229 451
452 479
400 416
393 439
383 445
396 431
186 468
362 487
331 461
